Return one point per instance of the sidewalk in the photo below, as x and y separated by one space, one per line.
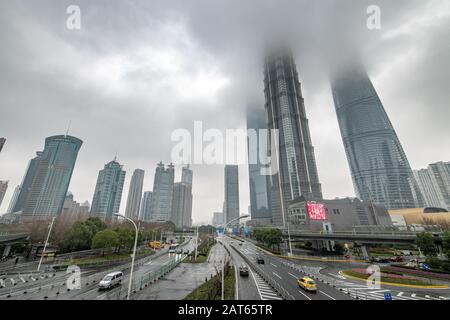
182 280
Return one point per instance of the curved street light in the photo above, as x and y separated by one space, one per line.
134 252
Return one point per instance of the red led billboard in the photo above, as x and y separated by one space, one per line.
316 211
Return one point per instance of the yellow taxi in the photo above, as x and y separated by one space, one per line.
307 284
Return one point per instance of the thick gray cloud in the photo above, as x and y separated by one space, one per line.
137 70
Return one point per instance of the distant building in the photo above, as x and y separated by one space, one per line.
162 193
218 219
18 202
146 206
51 179
338 214
134 195
13 199
73 208
231 209
434 184
378 164
260 206
2 143
182 200
3 188
108 190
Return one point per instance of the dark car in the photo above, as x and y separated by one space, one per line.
260 260
243 271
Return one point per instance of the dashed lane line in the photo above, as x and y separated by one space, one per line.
276 274
304 295
327 295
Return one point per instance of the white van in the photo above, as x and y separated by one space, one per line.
111 280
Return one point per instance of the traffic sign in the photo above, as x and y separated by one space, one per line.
387 296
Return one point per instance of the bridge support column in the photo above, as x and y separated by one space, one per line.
6 250
365 252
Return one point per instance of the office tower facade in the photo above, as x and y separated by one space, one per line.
163 192
3 188
134 195
218 219
2 143
52 176
108 190
18 202
378 164
434 184
260 204
146 206
231 206
285 107
14 199
73 208
182 200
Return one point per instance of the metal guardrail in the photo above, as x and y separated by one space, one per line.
281 291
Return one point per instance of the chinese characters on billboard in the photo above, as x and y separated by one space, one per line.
316 211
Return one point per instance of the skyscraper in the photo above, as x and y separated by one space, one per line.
2 143
231 206
182 200
295 153
146 206
108 190
52 176
162 193
18 203
434 184
379 166
260 206
134 195
3 188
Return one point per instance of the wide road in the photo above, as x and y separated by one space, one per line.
54 287
287 277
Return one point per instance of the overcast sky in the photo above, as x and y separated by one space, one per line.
137 70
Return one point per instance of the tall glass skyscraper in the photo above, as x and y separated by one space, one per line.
146 206
379 167
134 195
295 153
108 190
51 179
231 205
163 192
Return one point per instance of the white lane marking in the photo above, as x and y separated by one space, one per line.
327 295
400 294
149 263
293 275
432 298
274 265
304 295
256 283
337 276
276 274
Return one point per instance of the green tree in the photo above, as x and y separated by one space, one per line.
426 244
80 235
446 244
125 238
106 239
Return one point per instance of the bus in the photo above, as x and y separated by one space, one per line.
155 244
173 248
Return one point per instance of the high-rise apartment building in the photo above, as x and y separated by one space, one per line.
3 188
51 179
378 164
146 206
162 193
285 107
231 206
134 195
108 190
434 184
73 208
182 200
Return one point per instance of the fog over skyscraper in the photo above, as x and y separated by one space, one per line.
231 205
51 179
379 166
295 153
108 190
135 194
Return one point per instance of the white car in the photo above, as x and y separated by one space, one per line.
111 280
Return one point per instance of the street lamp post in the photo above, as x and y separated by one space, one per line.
134 253
46 242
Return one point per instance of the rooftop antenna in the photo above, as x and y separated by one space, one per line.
115 157
68 128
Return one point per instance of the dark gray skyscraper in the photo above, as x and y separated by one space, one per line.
135 194
231 206
260 208
286 112
379 167
108 190
163 192
52 176
146 206
2 143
